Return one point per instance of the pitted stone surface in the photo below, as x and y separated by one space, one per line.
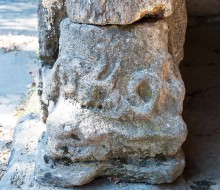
132 83
20 172
62 173
114 93
50 14
102 12
117 101
93 138
177 24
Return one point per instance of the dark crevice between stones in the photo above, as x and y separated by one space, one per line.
66 161
147 20
156 15
119 162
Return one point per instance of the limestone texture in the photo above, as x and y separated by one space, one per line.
177 24
113 98
102 12
116 101
50 14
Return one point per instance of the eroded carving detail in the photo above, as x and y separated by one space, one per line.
117 98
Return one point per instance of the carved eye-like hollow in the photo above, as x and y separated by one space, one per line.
144 91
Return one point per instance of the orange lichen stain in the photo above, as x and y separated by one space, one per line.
158 10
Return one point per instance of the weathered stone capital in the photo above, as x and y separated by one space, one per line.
117 94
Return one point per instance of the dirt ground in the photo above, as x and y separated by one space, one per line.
18 57
201 74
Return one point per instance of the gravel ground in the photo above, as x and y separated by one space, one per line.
18 57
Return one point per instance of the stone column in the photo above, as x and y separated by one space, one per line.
115 94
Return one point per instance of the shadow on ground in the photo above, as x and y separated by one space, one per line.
201 74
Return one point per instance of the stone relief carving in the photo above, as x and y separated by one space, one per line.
117 95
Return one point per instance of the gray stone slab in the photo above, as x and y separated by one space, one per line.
50 14
103 12
22 162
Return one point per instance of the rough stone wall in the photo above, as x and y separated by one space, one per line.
50 14
114 93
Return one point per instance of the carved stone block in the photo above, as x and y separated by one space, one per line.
117 97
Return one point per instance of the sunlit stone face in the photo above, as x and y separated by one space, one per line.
128 84
122 12
117 94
